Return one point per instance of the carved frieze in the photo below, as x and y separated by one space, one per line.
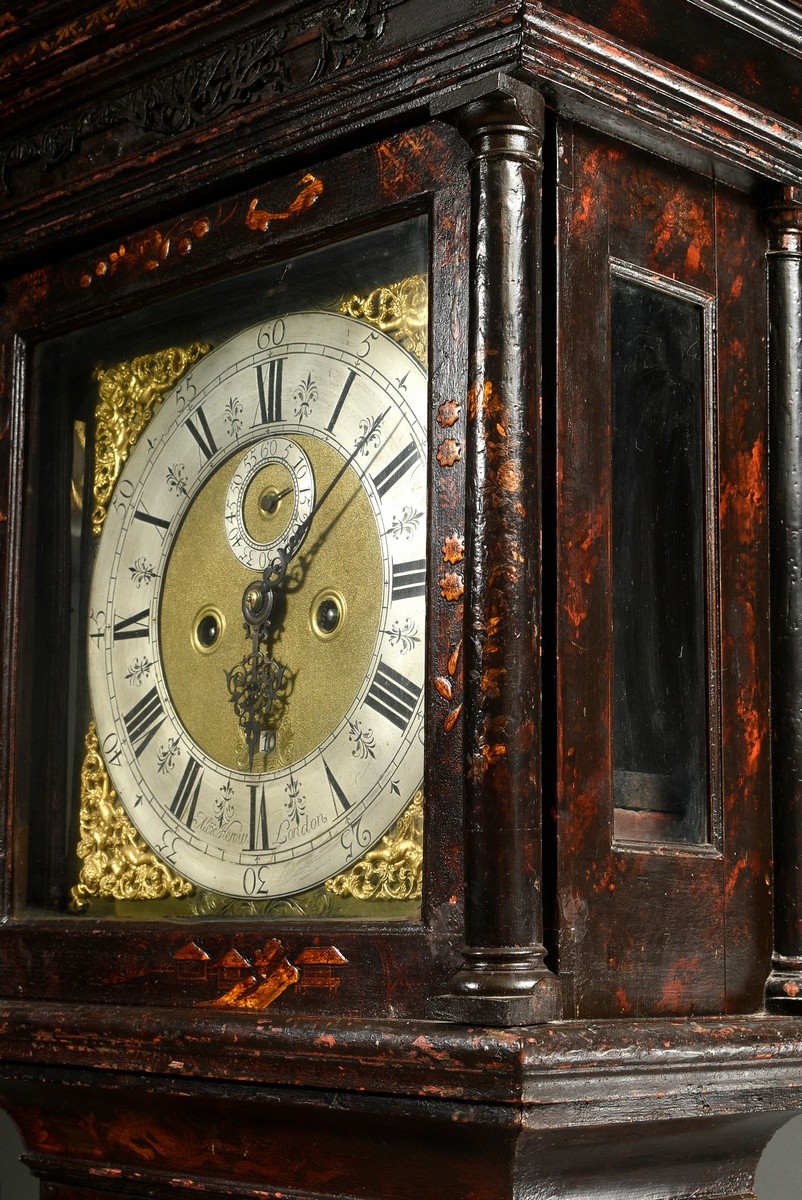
206 87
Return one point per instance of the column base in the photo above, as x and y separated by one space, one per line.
500 988
784 985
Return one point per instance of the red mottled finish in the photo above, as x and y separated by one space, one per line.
650 930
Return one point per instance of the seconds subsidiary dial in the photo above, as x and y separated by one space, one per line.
257 611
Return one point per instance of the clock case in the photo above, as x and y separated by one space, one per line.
361 200
662 1080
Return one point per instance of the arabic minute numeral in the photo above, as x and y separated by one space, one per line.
185 393
367 343
254 882
112 752
271 334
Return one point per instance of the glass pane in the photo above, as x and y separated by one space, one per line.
298 394
660 743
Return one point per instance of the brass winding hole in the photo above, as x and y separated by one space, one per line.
327 614
207 630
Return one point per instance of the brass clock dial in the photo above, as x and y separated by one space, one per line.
290 462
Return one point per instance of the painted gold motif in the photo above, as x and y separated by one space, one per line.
393 870
310 189
129 395
117 864
400 310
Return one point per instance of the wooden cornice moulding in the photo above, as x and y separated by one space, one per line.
774 21
606 84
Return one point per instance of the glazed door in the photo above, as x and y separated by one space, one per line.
661 661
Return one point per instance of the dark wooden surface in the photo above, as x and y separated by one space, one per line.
503 979
673 120
701 936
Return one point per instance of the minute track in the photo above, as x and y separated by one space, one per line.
345 701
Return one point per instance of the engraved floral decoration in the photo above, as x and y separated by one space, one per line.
142 571
167 754
232 417
363 740
405 636
393 870
305 397
224 806
406 524
129 395
177 479
139 669
295 804
370 436
116 863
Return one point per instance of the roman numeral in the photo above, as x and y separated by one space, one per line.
390 475
144 720
409 579
159 522
336 790
202 436
132 627
270 397
186 796
258 830
338 406
392 695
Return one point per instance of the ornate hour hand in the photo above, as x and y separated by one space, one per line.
255 683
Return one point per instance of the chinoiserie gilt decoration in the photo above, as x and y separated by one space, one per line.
129 393
393 870
399 310
117 864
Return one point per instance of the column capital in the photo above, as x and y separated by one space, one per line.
783 218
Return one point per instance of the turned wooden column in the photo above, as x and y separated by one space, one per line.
784 219
503 980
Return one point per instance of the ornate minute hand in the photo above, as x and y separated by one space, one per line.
303 528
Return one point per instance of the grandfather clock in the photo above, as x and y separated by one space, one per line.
401 543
